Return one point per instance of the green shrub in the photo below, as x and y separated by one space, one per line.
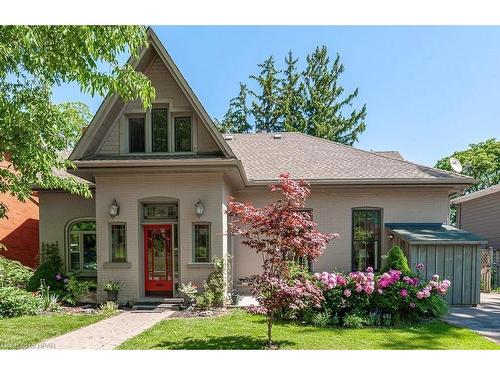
108 308
48 270
76 290
205 300
13 273
353 321
396 260
321 319
18 302
214 287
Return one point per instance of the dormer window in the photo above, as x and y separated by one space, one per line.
159 130
136 134
159 133
182 134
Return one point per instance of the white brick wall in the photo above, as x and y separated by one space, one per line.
332 213
129 190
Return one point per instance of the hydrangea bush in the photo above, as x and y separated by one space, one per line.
404 298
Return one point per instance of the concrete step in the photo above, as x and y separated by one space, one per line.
157 304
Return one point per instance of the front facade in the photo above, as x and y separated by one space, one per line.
161 179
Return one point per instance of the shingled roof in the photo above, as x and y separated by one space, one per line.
265 155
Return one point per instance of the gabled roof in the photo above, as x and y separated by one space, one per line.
265 156
110 102
477 194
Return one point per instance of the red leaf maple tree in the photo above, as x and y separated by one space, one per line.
284 234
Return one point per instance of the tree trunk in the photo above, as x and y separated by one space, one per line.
270 319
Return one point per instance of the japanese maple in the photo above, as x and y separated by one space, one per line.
284 234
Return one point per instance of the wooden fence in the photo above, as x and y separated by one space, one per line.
490 269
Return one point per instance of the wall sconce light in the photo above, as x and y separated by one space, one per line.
199 208
114 209
390 236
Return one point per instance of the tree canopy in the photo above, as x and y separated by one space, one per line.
480 160
34 129
310 101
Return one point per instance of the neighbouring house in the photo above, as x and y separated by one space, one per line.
161 180
19 230
479 212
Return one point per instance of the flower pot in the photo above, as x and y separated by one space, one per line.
112 295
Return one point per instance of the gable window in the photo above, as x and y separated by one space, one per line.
159 126
182 134
201 242
136 134
118 243
82 255
366 238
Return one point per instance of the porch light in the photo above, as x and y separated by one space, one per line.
199 208
114 209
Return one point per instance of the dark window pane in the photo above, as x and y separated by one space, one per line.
160 129
89 251
118 247
366 239
136 134
202 243
182 134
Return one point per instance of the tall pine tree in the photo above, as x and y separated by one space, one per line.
265 108
311 101
236 118
291 97
325 105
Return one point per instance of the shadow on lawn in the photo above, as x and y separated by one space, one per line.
221 343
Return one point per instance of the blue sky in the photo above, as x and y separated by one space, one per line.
429 90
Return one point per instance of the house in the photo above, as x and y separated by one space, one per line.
479 212
19 230
161 179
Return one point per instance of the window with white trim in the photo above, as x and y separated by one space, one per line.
118 242
201 243
82 255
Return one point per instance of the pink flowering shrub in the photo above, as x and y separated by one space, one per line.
389 293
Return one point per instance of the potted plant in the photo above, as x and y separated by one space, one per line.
112 288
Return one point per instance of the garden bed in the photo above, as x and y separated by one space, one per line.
240 330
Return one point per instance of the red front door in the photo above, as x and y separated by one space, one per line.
158 259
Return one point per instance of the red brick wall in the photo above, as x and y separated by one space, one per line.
19 233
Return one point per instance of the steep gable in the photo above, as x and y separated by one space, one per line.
108 132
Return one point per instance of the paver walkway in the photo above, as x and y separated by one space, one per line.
484 319
107 333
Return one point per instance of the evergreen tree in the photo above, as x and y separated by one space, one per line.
236 118
291 97
265 108
324 105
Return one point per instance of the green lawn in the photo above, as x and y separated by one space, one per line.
24 331
239 330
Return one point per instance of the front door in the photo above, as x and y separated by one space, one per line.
158 259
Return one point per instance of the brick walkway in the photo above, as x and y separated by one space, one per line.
108 333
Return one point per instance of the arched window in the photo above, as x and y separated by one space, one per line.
82 256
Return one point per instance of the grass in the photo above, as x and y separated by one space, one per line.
240 330
24 331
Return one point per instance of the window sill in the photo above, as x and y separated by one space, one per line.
195 265
116 265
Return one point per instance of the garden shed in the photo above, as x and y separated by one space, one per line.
452 253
